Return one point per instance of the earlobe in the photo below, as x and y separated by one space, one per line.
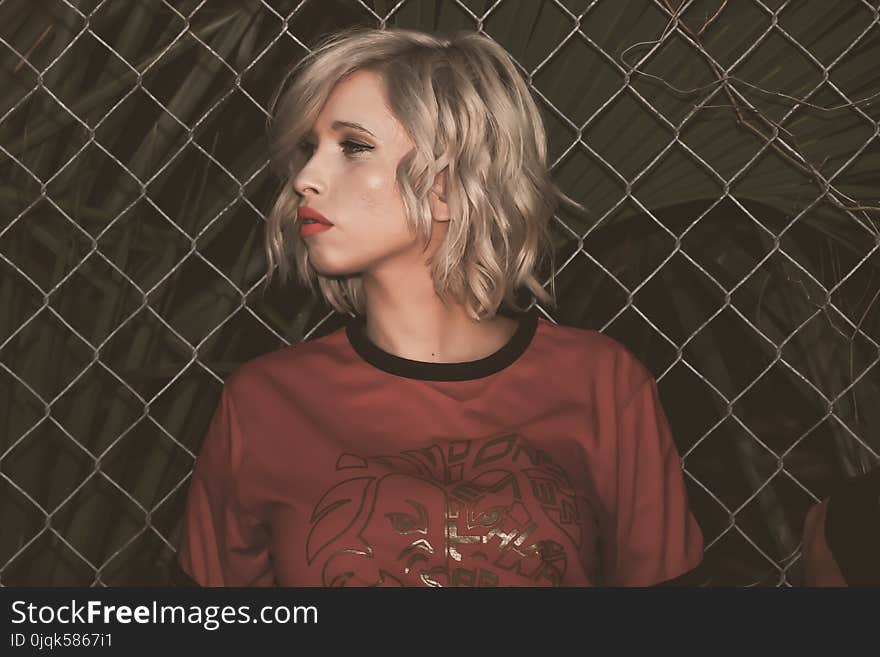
439 208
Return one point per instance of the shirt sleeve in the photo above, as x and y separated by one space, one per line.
222 544
656 537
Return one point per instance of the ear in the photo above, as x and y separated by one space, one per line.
437 198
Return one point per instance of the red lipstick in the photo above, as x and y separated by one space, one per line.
311 229
312 221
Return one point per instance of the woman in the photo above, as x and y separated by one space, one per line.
434 441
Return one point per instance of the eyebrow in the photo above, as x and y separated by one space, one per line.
336 125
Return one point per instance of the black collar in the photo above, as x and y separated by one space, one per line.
355 330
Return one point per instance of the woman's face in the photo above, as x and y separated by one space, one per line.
350 178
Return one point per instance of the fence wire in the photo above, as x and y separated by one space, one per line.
42 521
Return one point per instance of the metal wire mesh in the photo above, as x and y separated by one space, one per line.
144 510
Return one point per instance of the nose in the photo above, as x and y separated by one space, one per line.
304 184
309 177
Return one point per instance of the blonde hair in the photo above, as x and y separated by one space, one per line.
469 113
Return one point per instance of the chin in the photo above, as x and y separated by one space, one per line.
335 264
332 269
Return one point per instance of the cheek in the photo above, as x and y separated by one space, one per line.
380 198
379 186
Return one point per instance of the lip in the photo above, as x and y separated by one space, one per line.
305 212
311 229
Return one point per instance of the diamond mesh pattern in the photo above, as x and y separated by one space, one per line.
732 245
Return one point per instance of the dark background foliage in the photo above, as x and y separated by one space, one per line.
727 152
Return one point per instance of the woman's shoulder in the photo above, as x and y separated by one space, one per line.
600 352
293 361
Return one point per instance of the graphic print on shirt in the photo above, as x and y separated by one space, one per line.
488 512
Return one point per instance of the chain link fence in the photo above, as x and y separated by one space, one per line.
727 151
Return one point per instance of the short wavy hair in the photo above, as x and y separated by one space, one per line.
469 113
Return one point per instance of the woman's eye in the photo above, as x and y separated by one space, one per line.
358 148
348 146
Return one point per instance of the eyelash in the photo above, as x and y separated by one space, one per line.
304 146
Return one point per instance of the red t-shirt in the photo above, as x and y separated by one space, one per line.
334 463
